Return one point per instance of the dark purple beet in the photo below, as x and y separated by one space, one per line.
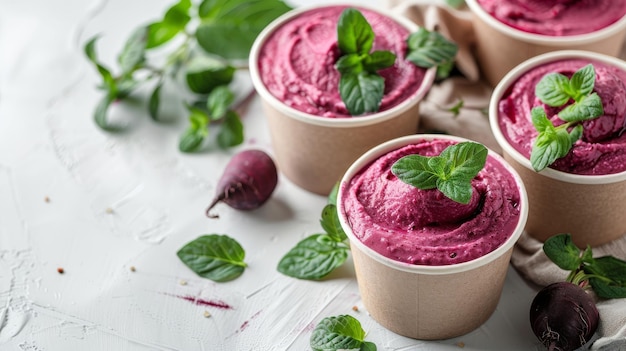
248 180
563 316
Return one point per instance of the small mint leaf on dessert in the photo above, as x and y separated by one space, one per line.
429 48
553 89
342 332
588 107
361 88
557 90
451 172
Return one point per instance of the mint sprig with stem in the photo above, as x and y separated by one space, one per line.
318 255
555 90
451 172
360 86
342 332
203 43
606 275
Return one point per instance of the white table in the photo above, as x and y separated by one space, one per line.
96 204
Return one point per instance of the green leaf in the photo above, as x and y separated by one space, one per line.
219 101
378 60
549 146
561 250
197 131
362 92
350 63
428 49
553 89
342 332
205 74
107 78
444 70
582 82
100 115
354 33
228 27
612 268
455 3
588 107
416 171
174 21
451 172
133 53
540 120
154 102
606 290
330 223
456 109
231 131
313 258
216 257
368 346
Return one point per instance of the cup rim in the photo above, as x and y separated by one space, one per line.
348 122
511 77
542 39
397 143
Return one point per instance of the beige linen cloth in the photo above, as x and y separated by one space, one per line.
472 123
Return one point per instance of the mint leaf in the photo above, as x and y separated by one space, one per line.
133 53
100 116
216 257
231 131
553 89
361 92
549 146
455 3
205 74
330 223
228 27
197 131
155 101
342 332
582 82
561 250
428 49
378 60
107 78
588 107
361 88
451 172
540 120
219 101
354 33
332 197
313 257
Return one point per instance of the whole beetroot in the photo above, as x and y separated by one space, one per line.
248 180
563 316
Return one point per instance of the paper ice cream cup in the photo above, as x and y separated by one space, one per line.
427 301
313 152
500 47
592 208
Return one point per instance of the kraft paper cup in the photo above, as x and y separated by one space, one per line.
421 301
312 151
500 47
592 208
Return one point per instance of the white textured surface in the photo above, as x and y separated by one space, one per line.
50 148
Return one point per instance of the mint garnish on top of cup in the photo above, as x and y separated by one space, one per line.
360 86
451 172
555 89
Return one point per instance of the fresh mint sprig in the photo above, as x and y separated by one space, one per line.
360 86
318 255
451 172
606 274
556 90
429 49
216 257
342 332
214 36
